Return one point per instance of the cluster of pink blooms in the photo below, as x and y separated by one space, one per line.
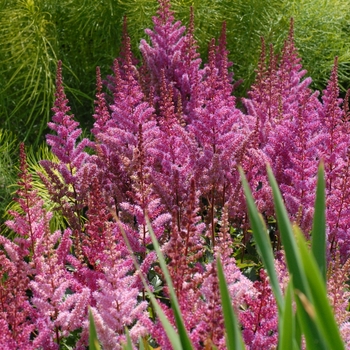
166 143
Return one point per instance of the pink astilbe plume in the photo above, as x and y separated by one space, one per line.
167 39
336 155
102 114
260 320
221 132
116 299
174 155
61 301
295 145
128 139
210 327
15 270
184 249
288 129
173 54
276 90
262 103
50 313
188 73
15 308
67 180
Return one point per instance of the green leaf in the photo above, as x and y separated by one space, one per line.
174 338
287 320
234 339
170 331
128 345
323 313
319 224
314 339
287 236
184 338
93 341
263 241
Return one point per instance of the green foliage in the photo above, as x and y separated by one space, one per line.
93 342
8 172
321 33
234 339
86 33
28 62
34 155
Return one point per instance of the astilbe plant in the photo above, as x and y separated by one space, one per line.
185 249
167 142
167 40
335 152
38 258
67 180
174 158
290 128
259 319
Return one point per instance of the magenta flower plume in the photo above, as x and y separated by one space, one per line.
101 114
288 129
67 179
116 298
174 157
221 133
167 40
173 53
259 320
335 152
184 249
47 312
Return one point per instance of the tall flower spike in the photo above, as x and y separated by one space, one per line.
167 40
174 153
67 179
16 312
101 114
219 128
335 152
259 320
63 144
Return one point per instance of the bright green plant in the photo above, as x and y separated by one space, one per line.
8 172
85 33
34 155
28 60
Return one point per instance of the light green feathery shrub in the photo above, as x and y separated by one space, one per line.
86 33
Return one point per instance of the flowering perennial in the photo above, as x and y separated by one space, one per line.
166 144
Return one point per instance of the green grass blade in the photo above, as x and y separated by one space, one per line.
313 337
287 320
234 339
323 313
319 224
184 338
141 346
93 341
128 345
174 337
287 236
307 323
263 241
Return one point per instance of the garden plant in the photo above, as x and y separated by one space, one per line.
185 221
